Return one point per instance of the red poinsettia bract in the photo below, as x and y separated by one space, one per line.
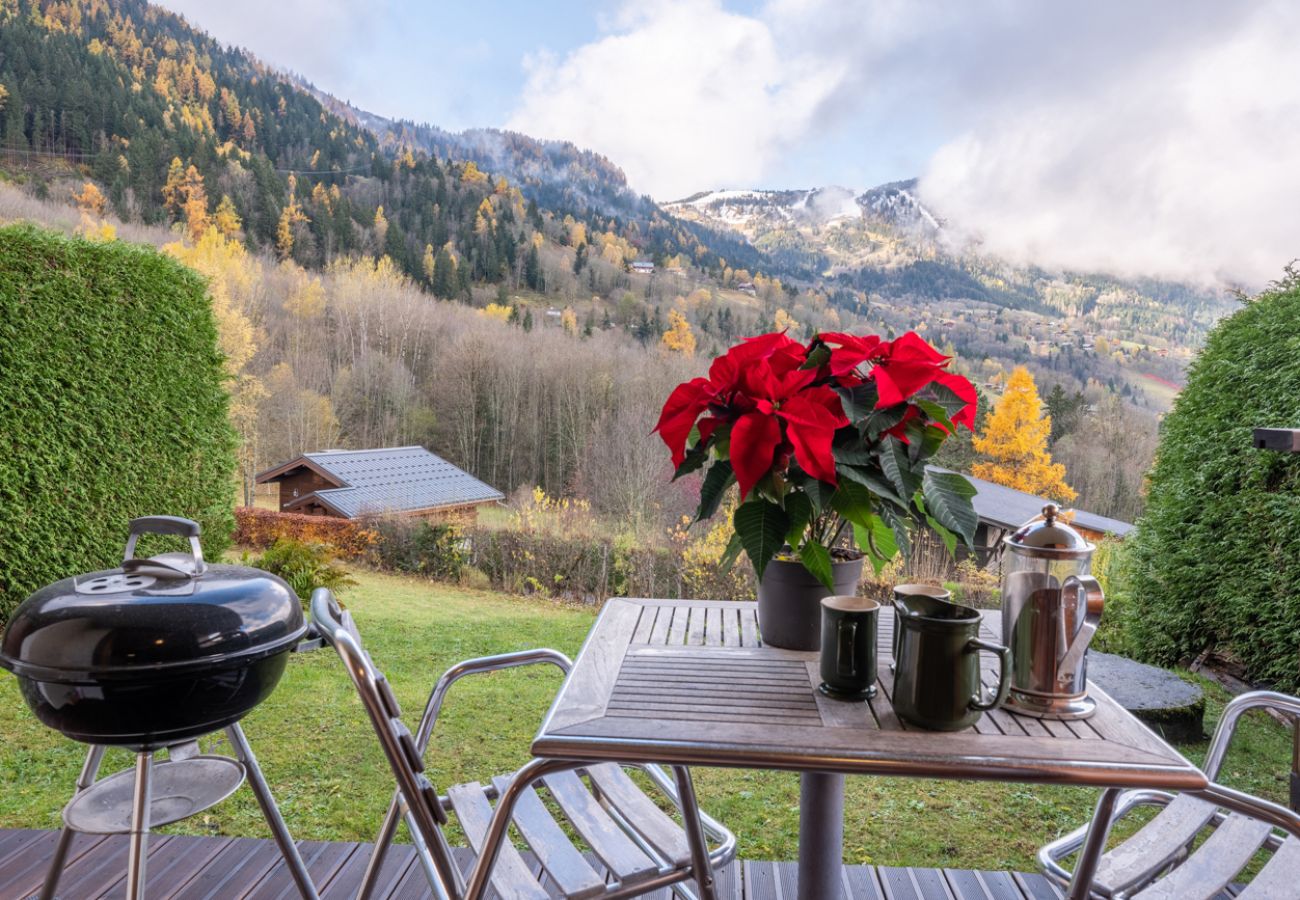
761 389
776 404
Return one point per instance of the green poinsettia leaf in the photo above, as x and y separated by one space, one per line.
881 420
897 466
820 355
694 460
819 492
853 501
762 527
859 402
817 560
945 397
720 477
729 555
948 501
875 483
800 510
877 542
949 539
936 412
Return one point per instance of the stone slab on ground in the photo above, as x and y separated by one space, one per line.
1166 703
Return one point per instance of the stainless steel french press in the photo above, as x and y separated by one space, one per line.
1050 610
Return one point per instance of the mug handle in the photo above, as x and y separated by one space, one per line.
844 662
1004 662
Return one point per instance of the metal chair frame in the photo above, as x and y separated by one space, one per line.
414 800
1115 804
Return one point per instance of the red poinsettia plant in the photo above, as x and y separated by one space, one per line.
828 443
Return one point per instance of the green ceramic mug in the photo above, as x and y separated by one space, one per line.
848 649
937 672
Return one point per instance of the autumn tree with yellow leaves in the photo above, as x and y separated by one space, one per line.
1015 442
679 338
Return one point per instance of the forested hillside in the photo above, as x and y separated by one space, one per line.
168 122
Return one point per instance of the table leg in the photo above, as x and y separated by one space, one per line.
821 836
1094 842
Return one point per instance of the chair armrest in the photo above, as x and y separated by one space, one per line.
1227 726
1255 807
1050 855
712 827
478 666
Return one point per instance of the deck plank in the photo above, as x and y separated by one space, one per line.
182 867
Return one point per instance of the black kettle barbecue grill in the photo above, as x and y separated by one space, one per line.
149 656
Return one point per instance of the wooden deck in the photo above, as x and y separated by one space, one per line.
203 868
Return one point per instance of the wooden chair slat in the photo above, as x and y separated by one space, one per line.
615 849
566 866
1280 877
656 826
1153 846
511 877
1214 864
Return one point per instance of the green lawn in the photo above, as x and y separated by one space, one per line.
331 782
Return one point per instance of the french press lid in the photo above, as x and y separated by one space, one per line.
1049 539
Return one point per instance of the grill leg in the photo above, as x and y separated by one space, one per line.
138 847
271 813
89 770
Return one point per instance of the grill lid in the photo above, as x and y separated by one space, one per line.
165 615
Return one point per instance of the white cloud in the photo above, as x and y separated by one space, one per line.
1179 162
317 39
682 95
1156 139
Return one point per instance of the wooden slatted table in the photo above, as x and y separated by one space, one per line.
684 681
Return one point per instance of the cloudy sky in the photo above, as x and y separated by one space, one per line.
1158 138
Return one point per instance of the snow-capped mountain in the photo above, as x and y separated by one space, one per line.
766 209
898 204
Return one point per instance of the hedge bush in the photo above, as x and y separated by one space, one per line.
112 405
260 528
419 547
578 568
1215 561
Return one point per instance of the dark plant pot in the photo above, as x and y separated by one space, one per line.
789 602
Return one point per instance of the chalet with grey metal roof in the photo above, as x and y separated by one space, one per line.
351 484
1002 510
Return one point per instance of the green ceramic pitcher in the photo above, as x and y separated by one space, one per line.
937 668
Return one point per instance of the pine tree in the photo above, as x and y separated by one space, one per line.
1015 441
528 320
444 275
533 270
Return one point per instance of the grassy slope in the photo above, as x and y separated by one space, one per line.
328 776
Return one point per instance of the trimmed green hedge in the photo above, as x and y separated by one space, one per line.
112 405
1215 561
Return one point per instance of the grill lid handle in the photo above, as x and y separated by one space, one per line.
173 525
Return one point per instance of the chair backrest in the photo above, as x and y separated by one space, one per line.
425 812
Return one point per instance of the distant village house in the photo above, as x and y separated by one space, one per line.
353 484
643 267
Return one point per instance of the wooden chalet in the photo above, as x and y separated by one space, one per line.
352 484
